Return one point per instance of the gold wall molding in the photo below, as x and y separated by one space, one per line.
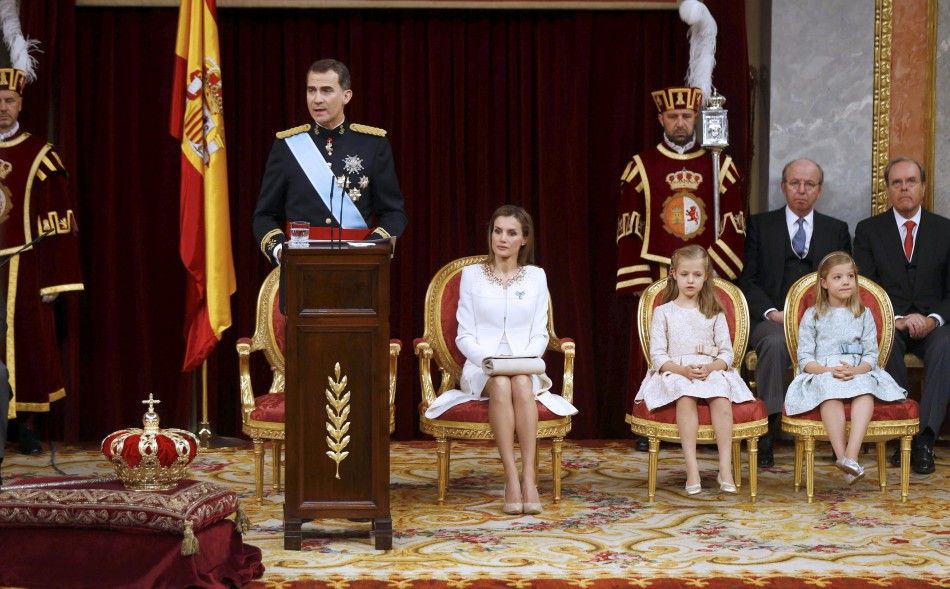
880 126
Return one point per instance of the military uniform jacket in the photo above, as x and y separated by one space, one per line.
33 183
362 162
666 202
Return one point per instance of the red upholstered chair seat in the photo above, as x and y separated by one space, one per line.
741 412
269 407
477 412
906 409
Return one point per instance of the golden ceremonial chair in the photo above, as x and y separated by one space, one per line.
262 417
469 421
889 420
750 420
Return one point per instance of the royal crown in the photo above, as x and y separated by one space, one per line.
684 180
150 459
676 97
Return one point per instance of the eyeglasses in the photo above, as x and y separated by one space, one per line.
809 185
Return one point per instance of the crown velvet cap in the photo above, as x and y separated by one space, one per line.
677 97
12 79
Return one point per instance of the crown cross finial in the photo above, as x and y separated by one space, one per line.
151 402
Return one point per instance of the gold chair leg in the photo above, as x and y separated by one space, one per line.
259 470
651 468
799 451
905 467
276 466
442 448
752 445
810 467
882 465
556 449
736 465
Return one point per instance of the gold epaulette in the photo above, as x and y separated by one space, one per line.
294 131
367 130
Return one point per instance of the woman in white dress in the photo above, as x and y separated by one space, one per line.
503 311
837 359
691 354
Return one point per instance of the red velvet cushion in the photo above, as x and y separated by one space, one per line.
269 407
741 412
278 320
450 326
84 503
898 410
808 299
477 412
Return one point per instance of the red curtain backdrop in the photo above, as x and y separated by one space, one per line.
537 108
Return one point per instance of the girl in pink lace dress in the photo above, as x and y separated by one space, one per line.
691 353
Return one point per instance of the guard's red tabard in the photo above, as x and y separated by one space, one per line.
33 182
666 202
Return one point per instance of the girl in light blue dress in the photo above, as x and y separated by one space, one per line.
837 360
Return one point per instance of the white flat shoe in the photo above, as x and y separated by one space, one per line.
850 466
726 487
695 489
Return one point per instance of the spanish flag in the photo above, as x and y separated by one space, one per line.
197 120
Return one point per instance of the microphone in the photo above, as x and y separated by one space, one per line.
342 196
332 186
35 241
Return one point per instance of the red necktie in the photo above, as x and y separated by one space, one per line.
909 239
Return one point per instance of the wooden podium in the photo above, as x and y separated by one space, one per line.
337 391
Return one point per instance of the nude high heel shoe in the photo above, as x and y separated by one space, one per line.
532 508
511 508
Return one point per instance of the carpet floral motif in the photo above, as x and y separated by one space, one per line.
603 533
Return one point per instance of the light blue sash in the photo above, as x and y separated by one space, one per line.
315 167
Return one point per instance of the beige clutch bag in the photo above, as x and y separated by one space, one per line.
512 365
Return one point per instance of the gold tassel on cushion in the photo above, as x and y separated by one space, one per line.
241 521
189 545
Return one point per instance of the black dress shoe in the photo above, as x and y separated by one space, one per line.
922 457
28 442
766 457
896 456
643 444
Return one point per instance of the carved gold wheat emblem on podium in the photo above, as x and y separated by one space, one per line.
338 414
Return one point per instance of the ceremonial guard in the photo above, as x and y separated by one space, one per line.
666 200
40 251
334 174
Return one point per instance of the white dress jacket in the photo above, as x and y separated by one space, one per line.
492 321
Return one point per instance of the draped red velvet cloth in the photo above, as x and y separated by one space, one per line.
537 108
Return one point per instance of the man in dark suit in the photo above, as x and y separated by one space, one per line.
337 175
907 251
782 246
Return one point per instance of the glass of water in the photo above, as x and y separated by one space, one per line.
299 233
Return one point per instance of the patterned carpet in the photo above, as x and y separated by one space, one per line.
603 533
